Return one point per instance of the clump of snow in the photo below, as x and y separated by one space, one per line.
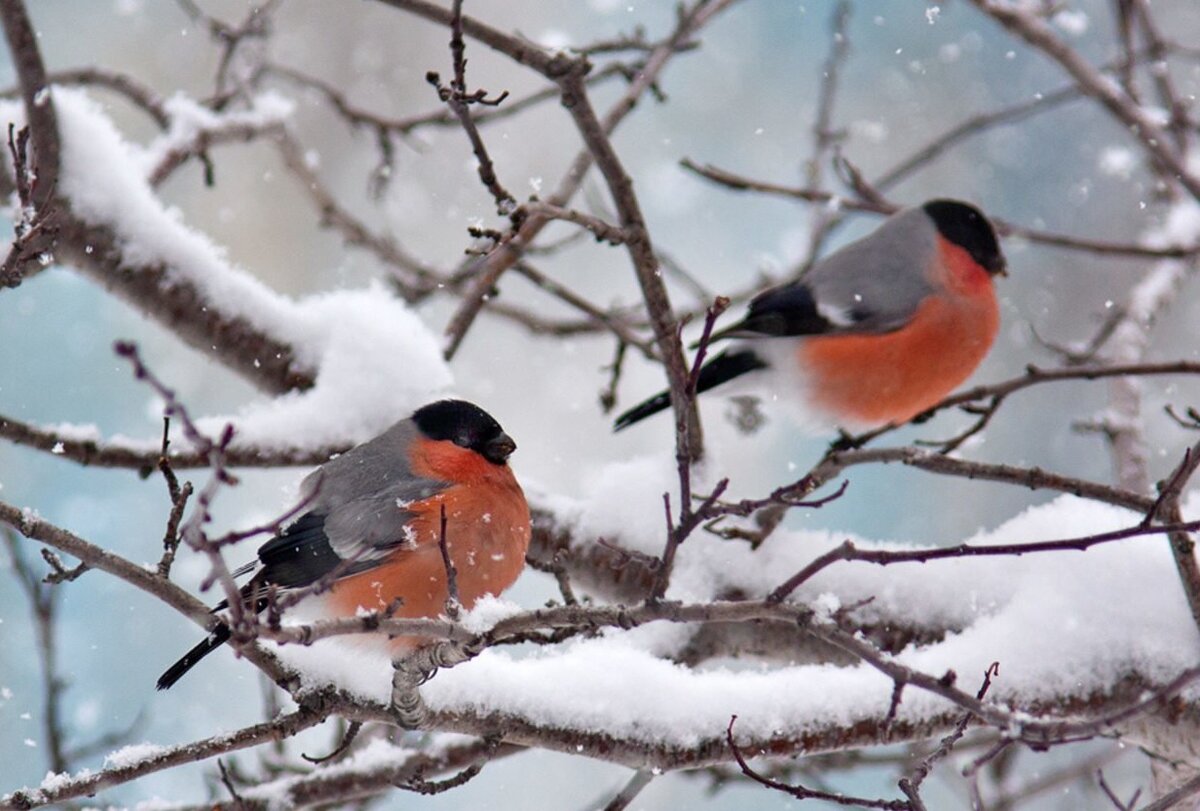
53 781
86 432
359 664
1117 161
133 753
1071 21
188 119
1180 227
1154 289
874 131
376 361
825 606
378 364
487 611
626 502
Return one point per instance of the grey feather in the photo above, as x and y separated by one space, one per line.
362 494
870 285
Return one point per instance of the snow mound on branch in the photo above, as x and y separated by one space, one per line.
378 364
376 361
1061 624
189 119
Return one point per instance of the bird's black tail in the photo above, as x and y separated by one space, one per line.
722 368
216 638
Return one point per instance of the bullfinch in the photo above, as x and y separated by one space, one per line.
876 332
373 525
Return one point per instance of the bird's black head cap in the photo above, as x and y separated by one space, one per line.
967 227
466 425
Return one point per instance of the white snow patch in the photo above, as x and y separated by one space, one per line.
1117 161
188 118
1050 619
133 753
1071 21
825 606
874 131
1181 226
488 610
74 432
53 781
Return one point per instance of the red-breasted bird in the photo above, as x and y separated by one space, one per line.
373 524
876 332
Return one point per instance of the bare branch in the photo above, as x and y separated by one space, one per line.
88 783
1090 81
630 791
740 183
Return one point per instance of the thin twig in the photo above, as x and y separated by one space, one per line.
630 791
801 792
453 604
911 784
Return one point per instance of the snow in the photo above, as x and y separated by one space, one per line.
1117 161
131 754
576 688
1049 619
73 432
487 611
1071 21
53 781
1181 226
188 119
1060 624
376 361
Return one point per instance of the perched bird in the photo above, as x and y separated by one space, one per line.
374 522
876 332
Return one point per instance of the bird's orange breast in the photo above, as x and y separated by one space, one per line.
487 535
876 379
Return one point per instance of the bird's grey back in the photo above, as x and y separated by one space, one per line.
362 493
876 283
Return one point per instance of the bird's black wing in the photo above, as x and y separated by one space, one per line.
301 555
790 309
725 366
298 556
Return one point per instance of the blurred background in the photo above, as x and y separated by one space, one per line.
744 101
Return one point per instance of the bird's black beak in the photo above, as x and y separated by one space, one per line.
497 449
998 267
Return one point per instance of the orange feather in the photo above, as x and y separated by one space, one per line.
487 536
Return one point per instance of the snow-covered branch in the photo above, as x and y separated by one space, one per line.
630 640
